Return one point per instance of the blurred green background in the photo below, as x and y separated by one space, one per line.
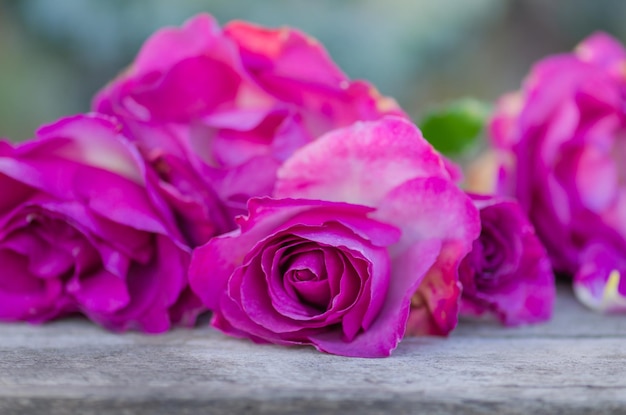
54 54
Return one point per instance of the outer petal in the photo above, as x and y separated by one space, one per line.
170 45
160 52
93 140
176 99
359 164
431 212
284 53
430 208
601 49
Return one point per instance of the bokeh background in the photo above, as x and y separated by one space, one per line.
55 54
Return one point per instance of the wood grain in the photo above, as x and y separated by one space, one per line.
576 364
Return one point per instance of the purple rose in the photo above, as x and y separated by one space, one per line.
217 111
562 143
343 276
507 273
80 231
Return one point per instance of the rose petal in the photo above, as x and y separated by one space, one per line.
430 209
435 305
173 98
436 213
44 260
601 49
171 44
375 157
100 292
90 140
283 52
120 202
24 296
14 193
153 288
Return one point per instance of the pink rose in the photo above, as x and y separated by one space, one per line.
388 165
217 111
562 142
376 218
507 273
80 231
306 272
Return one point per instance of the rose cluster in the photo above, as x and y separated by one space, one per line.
238 170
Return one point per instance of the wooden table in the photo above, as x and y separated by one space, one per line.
576 364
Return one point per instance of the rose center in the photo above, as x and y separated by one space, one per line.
306 279
492 256
304 275
494 253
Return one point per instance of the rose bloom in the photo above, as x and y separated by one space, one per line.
562 143
507 273
80 231
217 111
364 218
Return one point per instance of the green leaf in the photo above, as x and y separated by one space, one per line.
453 129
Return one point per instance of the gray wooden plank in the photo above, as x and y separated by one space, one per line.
575 364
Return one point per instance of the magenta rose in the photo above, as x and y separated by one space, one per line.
507 273
364 217
306 272
562 142
80 231
217 111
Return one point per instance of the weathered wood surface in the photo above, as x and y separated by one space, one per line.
574 365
